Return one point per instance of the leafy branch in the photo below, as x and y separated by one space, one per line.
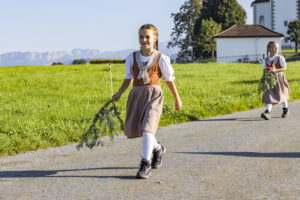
104 123
267 81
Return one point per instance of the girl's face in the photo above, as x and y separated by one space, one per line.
273 49
147 39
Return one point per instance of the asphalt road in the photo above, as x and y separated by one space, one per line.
236 156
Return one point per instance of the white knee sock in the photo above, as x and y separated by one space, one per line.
269 107
149 143
285 104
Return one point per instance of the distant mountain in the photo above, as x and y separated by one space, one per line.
66 57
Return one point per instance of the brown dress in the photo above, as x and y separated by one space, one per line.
144 103
281 92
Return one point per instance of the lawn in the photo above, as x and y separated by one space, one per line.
48 106
291 55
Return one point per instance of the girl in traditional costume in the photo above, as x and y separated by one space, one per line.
281 92
144 105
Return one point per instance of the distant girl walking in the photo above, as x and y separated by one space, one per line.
144 104
281 92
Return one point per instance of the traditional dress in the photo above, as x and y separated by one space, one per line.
144 104
281 92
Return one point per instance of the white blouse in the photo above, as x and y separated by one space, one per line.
271 59
164 65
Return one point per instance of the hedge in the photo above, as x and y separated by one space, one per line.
103 61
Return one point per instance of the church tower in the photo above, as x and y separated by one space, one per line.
276 15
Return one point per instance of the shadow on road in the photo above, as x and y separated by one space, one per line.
225 119
250 154
54 173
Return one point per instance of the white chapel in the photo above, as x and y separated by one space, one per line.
275 15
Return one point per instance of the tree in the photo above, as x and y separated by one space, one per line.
57 63
205 45
79 62
184 22
224 12
294 33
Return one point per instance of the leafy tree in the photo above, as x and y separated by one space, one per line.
205 45
184 22
224 12
57 63
294 33
79 62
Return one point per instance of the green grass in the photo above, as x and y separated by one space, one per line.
49 106
291 55
287 51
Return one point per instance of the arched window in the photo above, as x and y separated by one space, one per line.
262 20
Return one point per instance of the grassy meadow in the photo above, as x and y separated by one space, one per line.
291 55
46 106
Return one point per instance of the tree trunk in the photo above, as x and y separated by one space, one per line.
296 47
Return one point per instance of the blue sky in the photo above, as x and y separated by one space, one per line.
107 25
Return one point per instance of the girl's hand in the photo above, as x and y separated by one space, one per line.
273 70
178 104
116 96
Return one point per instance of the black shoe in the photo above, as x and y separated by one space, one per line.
157 157
266 115
285 113
145 170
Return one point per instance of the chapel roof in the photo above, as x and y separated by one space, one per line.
246 31
259 1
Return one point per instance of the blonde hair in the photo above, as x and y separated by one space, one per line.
154 29
270 44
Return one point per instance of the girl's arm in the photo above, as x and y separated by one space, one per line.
278 70
172 87
125 85
282 63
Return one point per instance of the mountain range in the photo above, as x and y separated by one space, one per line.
67 57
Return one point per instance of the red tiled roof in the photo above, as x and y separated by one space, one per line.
259 1
242 31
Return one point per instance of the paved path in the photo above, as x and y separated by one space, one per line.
236 156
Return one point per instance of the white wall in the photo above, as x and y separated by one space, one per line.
263 9
285 10
230 50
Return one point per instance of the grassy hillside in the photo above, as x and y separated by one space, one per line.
54 105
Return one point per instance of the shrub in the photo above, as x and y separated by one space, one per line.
103 61
57 63
79 62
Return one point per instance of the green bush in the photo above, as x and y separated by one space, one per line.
79 62
57 63
104 61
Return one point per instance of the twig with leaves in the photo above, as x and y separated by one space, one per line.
109 123
267 81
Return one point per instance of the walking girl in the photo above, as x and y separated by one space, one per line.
144 104
281 92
